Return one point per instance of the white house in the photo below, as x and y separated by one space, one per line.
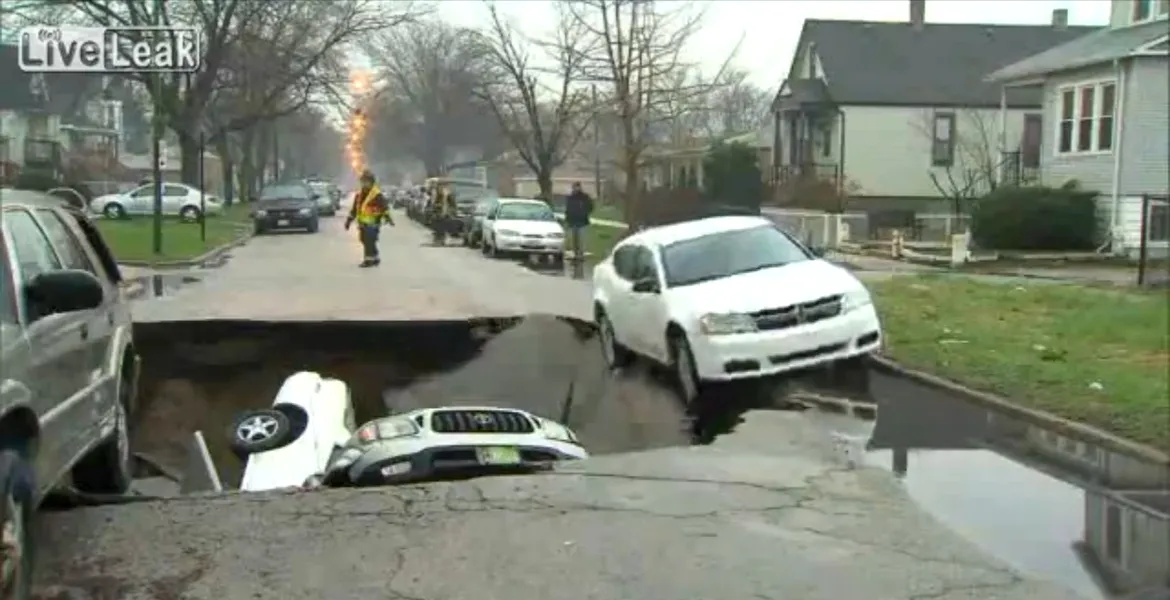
1106 97
878 107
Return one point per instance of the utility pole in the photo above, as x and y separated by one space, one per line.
596 147
155 146
275 154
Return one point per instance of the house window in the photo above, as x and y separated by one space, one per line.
1148 10
1087 118
1030 146
942 151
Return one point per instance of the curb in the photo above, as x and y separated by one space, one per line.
1044 419
208 256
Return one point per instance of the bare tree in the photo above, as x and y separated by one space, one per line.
737 105
290 56
430 71
540 108
636 50
228 27
968 160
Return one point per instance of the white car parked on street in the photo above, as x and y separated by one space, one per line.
518 227
177 199
727 298
308 439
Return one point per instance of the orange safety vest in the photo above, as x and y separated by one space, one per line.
368 211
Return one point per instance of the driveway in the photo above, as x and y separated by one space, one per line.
771 510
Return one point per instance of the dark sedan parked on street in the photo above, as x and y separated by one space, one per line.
286 206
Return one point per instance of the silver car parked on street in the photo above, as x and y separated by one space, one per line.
69 368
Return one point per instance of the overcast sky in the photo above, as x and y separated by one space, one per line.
770 28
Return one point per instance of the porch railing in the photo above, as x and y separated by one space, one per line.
1016 169
822 171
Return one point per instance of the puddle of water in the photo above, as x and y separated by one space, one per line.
1022 493
1021 516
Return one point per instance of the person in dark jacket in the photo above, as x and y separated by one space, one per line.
370 209
578 209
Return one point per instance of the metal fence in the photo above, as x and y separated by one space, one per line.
825 230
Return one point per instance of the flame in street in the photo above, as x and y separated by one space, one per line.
360 87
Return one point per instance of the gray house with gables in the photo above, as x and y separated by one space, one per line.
883 110
1106 114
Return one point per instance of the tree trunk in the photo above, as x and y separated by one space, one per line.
544 180
633 204
227 169
189 151
248 165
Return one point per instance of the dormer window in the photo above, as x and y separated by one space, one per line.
1148 10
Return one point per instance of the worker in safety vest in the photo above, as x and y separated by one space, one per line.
441 214
370 209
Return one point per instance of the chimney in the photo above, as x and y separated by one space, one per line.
918 14
1060 18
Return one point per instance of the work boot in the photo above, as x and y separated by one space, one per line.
376 261
367 263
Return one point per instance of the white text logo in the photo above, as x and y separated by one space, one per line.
68 49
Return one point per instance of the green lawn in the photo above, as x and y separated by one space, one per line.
599 240
1093 355
133 239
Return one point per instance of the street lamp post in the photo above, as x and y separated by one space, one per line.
157 132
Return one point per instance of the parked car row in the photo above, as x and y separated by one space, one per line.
67 390
504 228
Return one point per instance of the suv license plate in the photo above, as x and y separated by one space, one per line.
498 455
282 222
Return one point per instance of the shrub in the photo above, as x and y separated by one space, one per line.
1036 218
732 177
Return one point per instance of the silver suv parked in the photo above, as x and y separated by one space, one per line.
68 367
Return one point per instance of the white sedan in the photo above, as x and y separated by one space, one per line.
178 199
518 227
728 298
308 438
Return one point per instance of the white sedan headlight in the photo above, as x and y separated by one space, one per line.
507 233
386 429
555 235
726 323
560 433
856 299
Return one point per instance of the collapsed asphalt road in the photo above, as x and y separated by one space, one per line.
767 512
201 374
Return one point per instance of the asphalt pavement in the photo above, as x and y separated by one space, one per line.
774 508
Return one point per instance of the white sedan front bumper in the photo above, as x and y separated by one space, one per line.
531 245
758 354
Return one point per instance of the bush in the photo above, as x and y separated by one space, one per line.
732 177
1036 218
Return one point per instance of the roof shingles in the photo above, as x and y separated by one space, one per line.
1097 47
942 64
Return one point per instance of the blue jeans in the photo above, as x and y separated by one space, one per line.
368 234
575 233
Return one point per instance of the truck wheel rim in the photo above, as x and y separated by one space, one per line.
257 429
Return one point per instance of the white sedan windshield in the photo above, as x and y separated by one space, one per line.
727 253
526 212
